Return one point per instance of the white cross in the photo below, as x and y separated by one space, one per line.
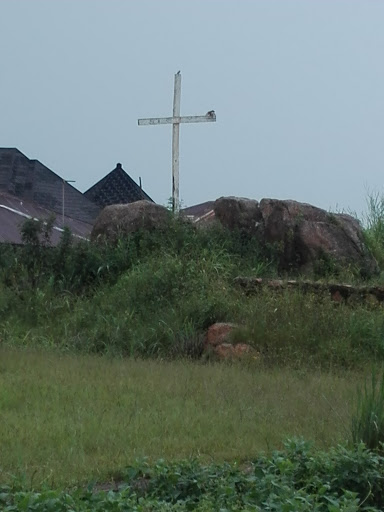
175 120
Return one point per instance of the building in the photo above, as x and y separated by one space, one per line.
29 189
32 181
14 211
117 187
200 214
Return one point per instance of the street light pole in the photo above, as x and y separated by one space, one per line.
63 199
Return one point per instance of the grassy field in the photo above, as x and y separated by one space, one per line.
67 418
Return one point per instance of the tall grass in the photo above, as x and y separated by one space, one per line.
374 226
368 420
80 267
310 330
154 294
162 306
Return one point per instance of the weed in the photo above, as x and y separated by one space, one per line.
295 479
374 226
368 420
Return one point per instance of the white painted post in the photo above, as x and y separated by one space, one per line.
176 120
175 144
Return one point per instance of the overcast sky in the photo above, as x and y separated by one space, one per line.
297 86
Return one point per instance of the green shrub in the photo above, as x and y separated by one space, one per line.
368 420
159 307
374 227
154 294
296 479
79 266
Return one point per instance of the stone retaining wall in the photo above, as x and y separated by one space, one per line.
337 292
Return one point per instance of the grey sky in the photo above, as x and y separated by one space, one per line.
297 86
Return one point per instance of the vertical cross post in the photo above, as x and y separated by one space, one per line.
175 144
176 120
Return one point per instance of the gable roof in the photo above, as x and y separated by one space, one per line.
117 187
31 180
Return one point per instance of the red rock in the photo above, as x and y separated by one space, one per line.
219 333
228 351
225 351
241 349
336 296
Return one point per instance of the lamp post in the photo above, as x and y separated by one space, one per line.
64 182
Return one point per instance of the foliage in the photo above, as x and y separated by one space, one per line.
374 226
310 330
78 266
154 294
154 291
368 420
293 480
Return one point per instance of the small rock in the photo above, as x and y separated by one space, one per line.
219 333
242 349
228 351
224 351
336 296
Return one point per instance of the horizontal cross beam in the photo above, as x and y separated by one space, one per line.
208 118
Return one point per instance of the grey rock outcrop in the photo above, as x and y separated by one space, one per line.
120 220
302 234
238 213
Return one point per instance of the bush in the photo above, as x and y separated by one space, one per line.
368 420
296 479
78 266
374 227
154 294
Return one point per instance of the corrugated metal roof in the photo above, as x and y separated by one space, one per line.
14 211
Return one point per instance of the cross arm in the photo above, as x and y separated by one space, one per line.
208 118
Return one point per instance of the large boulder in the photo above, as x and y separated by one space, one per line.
238 213
118 220
302 234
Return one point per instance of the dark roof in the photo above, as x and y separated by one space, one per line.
14 211
117 187
198 210
31 180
